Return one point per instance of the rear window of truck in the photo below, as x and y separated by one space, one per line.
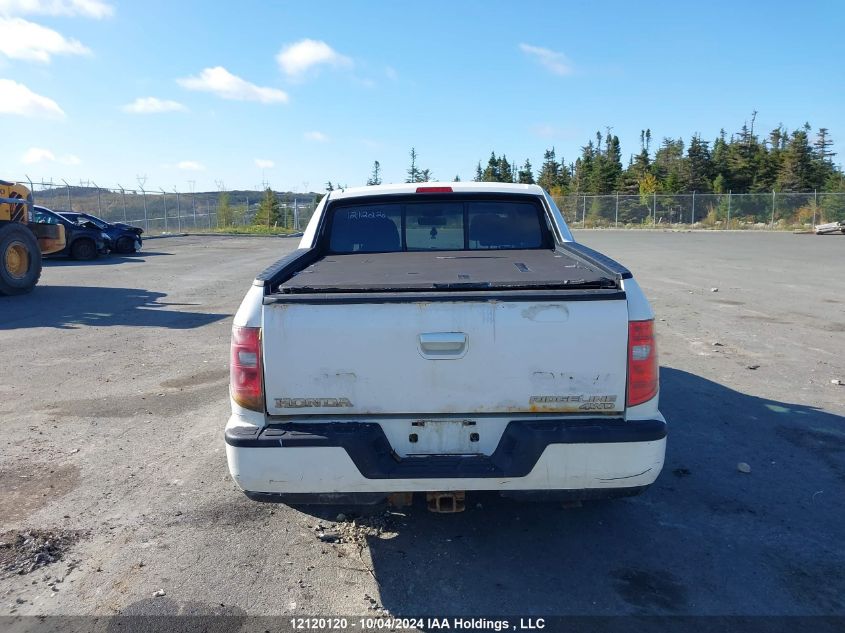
446 225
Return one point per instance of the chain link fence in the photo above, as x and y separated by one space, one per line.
765 211
160 211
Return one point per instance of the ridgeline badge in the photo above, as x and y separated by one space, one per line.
584 402
301 403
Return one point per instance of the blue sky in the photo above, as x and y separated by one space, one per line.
298 93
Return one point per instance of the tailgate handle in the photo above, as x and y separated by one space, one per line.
443 345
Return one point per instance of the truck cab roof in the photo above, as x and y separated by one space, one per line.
435 187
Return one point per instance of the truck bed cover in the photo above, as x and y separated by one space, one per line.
446 270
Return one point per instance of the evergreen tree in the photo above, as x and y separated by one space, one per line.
584 180
269 209
743 159
823 154
375 177
414 173
719 164
833 207
608 169
479 175
549 176
769 164
225 212
505 170
796 169
822 146
699 169
525 175
629 182
669 166
492 173
457 178
640 165
329 186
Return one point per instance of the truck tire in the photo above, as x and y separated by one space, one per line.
84 249
20 259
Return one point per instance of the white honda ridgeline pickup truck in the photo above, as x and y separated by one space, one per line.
439 338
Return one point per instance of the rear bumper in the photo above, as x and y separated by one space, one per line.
356 457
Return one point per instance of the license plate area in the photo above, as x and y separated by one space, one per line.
443 437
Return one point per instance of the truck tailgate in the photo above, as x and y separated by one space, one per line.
423 357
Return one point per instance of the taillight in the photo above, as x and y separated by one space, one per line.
642 362
245 380
434 190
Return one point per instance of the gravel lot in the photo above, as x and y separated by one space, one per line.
114 398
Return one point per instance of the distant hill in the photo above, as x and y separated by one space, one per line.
115 205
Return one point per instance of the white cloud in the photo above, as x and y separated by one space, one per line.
87 8
36 155
152 105
16 98
263 163
21 39
225 85
190 165
297 58
553 61
316 136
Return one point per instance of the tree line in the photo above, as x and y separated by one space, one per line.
743 162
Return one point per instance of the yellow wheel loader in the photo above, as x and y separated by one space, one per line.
22 242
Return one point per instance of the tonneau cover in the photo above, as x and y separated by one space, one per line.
433 270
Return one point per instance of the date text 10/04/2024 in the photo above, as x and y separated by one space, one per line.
429 623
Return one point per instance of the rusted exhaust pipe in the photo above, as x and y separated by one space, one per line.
446 502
